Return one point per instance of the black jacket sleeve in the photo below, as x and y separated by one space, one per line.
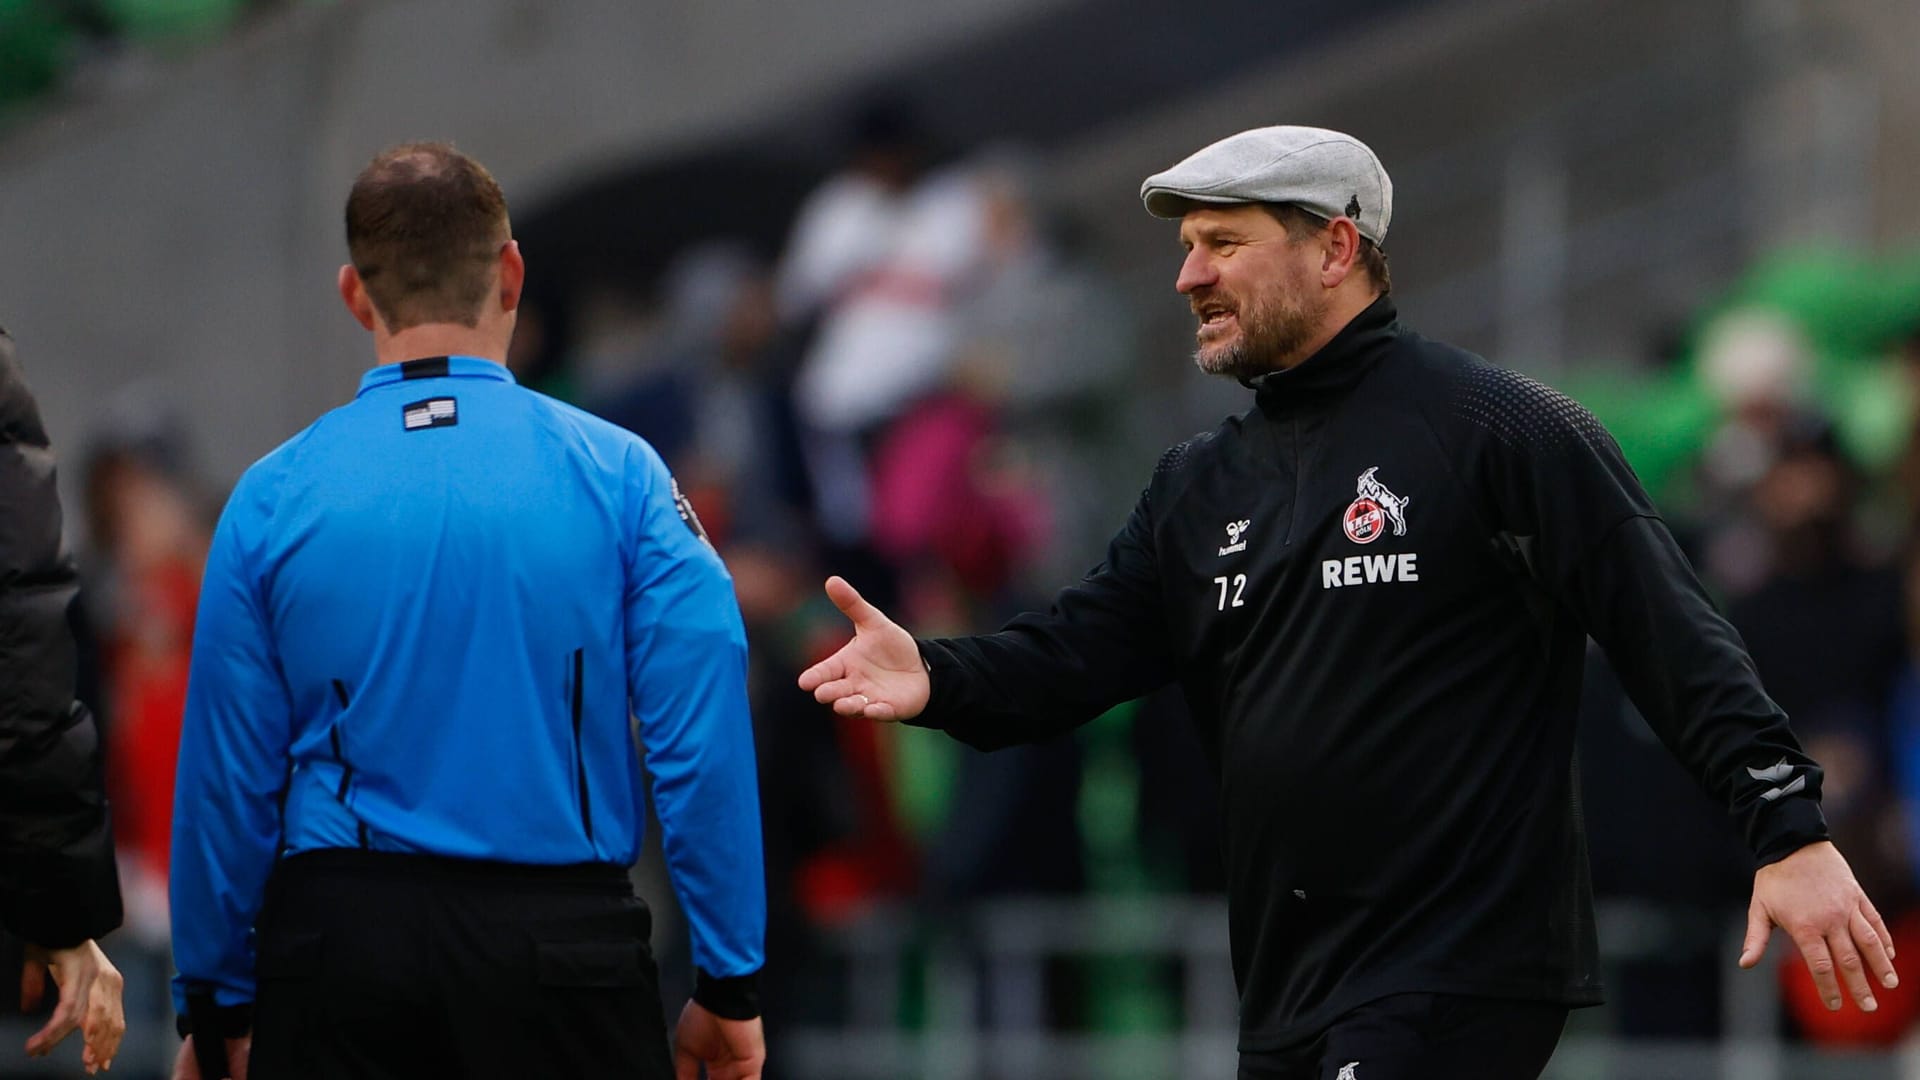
1570 505
58 884
1103 642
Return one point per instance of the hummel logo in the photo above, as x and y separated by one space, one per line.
1349 1071
1236 537
1773 775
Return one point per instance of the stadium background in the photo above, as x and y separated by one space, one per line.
1698 218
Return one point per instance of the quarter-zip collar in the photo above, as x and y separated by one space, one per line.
1338 365
434 367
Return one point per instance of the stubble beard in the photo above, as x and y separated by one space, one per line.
1272 333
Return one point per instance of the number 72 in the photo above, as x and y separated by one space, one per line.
1239 584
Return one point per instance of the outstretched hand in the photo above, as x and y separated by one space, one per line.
1812 895
879 674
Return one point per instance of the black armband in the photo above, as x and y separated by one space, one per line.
736 997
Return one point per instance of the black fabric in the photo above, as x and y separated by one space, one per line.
735 997
58 883
213 1025
204 1015
430 367
1375 589
373 965
1423 1037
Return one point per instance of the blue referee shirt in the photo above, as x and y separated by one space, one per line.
427 619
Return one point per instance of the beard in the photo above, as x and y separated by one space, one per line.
1271 332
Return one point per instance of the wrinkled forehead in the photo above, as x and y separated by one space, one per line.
1208 220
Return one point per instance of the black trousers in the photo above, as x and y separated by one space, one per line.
375 965
1423 1037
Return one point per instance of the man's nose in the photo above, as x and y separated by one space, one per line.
1196 272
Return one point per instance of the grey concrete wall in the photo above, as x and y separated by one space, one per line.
186 228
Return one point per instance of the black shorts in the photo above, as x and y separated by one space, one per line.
375 965
1423 1037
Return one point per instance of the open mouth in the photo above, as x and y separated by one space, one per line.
1214 317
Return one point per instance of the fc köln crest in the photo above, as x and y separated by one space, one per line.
1368 516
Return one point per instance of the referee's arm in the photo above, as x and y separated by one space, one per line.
686 669
233 758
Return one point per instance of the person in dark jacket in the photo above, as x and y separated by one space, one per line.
59 890
1375 589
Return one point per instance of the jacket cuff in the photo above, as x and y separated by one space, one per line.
203 1015
942 688
734 997
1786 828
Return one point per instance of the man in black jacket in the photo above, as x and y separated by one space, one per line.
58 886
1375 589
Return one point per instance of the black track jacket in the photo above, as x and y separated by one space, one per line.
1375 588
58 885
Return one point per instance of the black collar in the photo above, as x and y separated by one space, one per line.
1336 367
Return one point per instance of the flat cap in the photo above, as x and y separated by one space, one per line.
1325 172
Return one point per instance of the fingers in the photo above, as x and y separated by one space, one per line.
1852 969
848 600
833 667
685 1065
62 1024
1813 949
1759 929
850 705
185 1065
239 1056
1833 961
829 692
106 1023
1879 927
33 985
1875 949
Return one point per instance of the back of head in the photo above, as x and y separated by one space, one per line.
425 225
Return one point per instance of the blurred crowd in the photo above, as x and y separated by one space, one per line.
928 390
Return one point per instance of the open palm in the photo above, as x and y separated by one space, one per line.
879 674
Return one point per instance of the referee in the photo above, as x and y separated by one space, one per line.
1375 588
408 789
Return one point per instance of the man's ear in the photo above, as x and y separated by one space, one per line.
1342 250
513 276
353 293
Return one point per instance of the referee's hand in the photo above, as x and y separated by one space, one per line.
1812 895
879 674
729 1049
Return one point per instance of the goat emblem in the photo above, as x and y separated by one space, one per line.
1375 508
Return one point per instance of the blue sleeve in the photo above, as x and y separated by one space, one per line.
686 671
233 758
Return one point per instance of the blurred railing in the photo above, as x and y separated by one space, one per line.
981 973
994 957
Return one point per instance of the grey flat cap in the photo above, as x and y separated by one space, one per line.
1322 171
